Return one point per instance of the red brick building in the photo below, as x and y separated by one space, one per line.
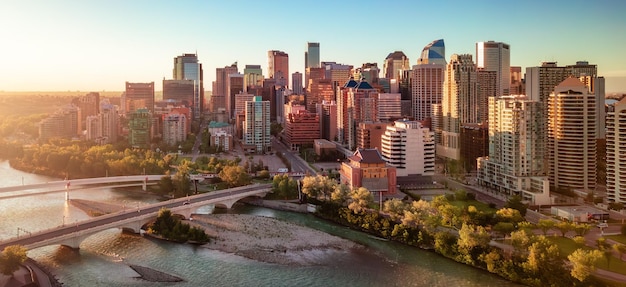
301 128
366 168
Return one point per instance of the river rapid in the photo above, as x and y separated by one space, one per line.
103 258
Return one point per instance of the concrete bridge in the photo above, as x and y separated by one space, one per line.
68 185
72 235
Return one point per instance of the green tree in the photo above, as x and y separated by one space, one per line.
545 225
235 176
584 263
564 227
509 215
318 186
516 202
340 194
11 258
181 180
543 263
166 185
284 187
619 248
264 174
395 208
581 229
471 236
504 228
360 198
579 240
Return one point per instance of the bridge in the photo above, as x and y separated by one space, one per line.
67 185
72 235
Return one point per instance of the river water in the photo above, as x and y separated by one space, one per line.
103 258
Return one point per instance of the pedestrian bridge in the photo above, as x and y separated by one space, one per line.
72 235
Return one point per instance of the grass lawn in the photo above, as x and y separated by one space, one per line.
479 205
619 238
567 246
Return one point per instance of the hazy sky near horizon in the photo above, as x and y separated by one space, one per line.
98 45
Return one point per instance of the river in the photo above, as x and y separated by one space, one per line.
104 257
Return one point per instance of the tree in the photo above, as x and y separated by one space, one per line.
579 240
545 225
360 198
584 263
543 263
581 229
11 258
564 227
318 186
284 187
395 208
521 239
234 176
504 228
166 185
340 194
515 202
264 174
620 248
509 215
471 236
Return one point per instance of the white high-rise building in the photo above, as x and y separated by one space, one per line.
409 147
572 136
389 107
427 80
256 129
459 104
514 165
615 147
496 56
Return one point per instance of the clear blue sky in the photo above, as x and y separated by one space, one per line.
98 45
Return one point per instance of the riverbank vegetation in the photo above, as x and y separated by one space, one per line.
11 258
170 227
463 233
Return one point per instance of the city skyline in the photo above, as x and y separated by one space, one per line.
96 46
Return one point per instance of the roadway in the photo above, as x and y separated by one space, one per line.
297 163
127 214
68 184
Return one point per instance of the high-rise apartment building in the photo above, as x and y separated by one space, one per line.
296 83
174 128
369 72
572 136
517 84
337 73
103 127
356 102
615 148
320 90
459 104
327 111
496 56
137 96
369 134
88 104
409 147
514 165
256 129
278 67
187 67
395 63
252 76
486 88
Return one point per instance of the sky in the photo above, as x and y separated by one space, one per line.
87 45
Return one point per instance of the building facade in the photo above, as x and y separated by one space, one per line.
514 165
187 67
174 128
395 63
366 168
615 147
139 126
256 129
496 56
410 148
137 96
278 67
427 79
572 136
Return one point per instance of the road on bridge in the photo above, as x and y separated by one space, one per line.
127 214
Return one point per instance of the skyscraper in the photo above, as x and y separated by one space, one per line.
187 67
220 91
296 84
234 86
394 64
252 76
256 129
137 96
278 67
181 91
496 56
572 136
459 104
615 147
427 80
312 55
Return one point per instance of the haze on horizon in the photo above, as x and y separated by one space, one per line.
97 46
